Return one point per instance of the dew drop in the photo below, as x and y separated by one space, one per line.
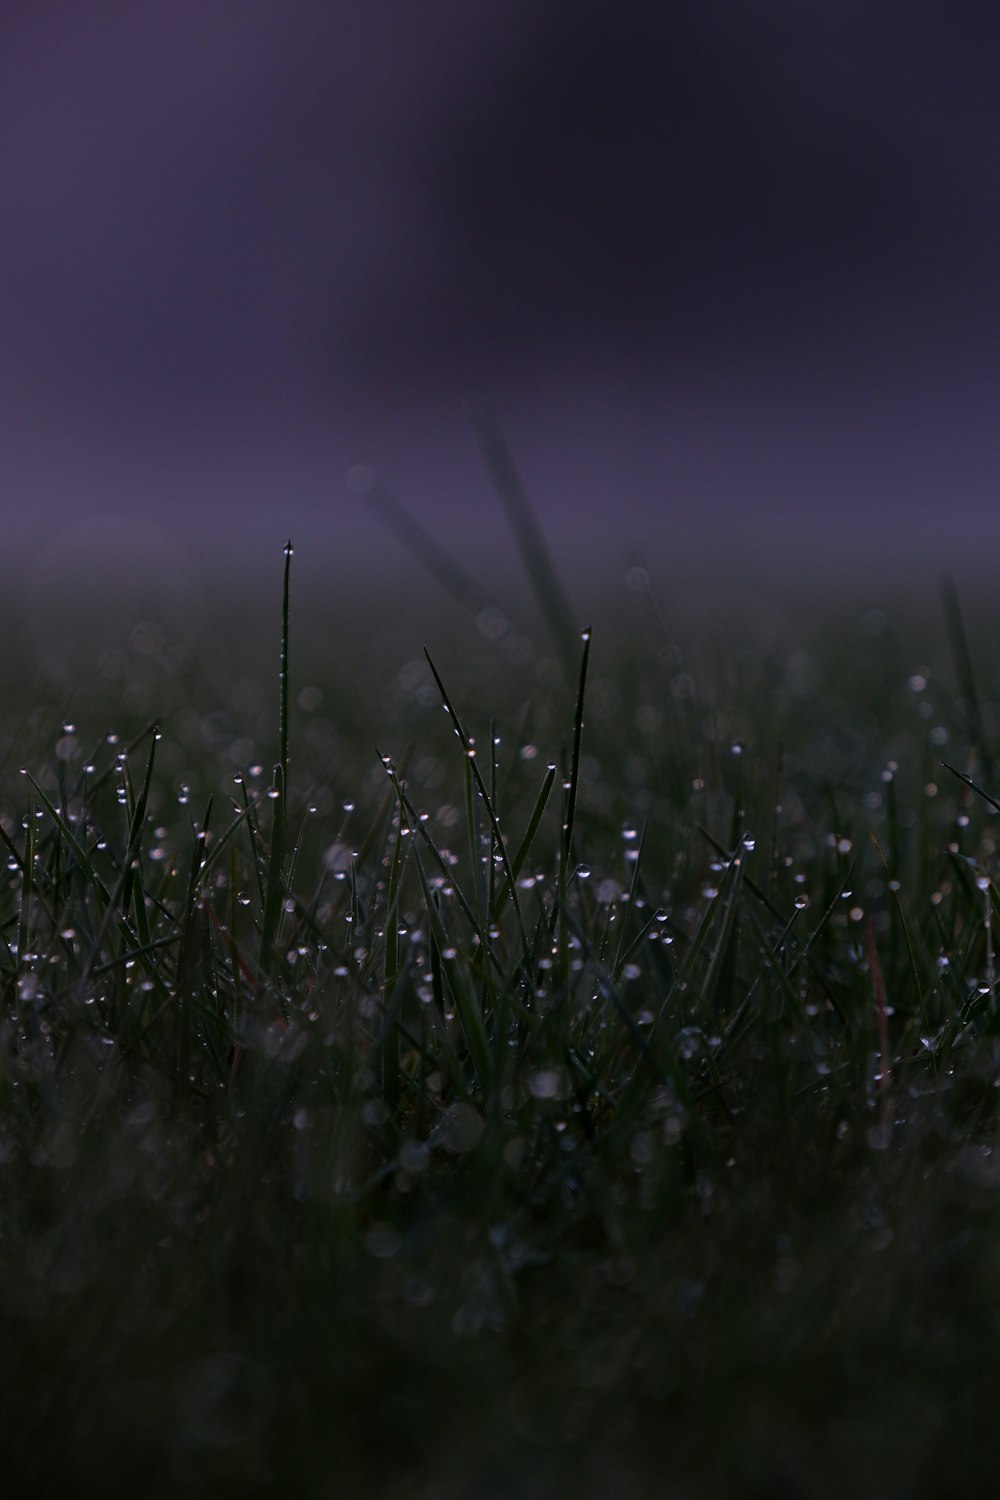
544 1084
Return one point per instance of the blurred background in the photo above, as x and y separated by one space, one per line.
727 273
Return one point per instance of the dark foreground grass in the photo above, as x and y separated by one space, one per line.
594 1091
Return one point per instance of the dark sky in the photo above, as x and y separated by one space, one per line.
728 270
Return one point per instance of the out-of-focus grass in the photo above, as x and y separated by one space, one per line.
591 1087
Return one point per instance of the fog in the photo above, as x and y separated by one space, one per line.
727 274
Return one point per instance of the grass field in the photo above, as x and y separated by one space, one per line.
557 1065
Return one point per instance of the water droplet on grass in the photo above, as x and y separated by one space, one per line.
545 1083
689 1042
414 1156
459 1130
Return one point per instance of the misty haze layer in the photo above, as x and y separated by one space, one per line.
728 274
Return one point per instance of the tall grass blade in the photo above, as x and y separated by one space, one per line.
274 891
962 657
27 887
535 555
437 562
569 825
491 813
524 847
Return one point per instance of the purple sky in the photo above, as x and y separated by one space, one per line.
729 271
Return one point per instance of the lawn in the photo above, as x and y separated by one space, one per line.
565 1063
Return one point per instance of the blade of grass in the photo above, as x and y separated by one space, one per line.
919 983
535 555
621 951
964 672
993 802
491 813
420 829
569 826
437 561
524 847
274 891
132 890
27 887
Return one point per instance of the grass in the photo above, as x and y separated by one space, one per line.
593 1089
